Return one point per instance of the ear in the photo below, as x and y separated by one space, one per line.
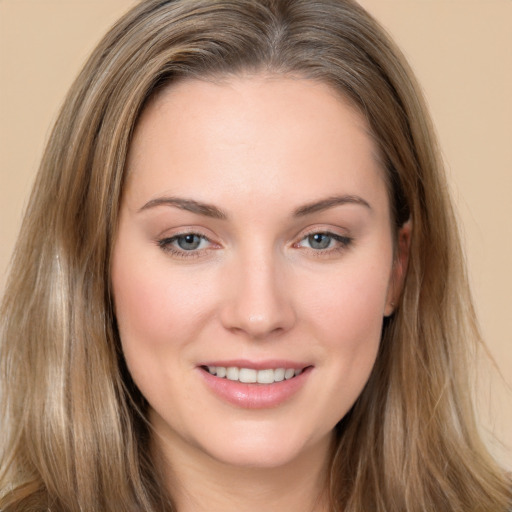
399 271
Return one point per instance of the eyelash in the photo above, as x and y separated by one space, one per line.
342 243
166 244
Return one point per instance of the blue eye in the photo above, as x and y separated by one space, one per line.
323 241
188 242
319 241
184 243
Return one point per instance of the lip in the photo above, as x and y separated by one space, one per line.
257 365
255 396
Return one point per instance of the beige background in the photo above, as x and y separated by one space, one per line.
462 53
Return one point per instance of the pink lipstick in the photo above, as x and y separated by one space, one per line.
255 385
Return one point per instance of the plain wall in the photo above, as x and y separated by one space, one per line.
461 51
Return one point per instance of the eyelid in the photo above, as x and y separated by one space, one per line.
327 230
165 243
344 240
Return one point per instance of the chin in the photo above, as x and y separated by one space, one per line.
259 448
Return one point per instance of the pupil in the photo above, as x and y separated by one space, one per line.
319 241
189 242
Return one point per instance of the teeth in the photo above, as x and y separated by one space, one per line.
289 373
247 375
266 376
279 374
232 373
250 375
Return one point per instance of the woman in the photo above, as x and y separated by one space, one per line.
239 284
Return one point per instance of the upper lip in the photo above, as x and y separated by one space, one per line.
257 365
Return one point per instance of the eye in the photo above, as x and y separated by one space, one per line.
190 241
184 243
324 241
319 241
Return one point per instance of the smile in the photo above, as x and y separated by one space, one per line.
253 376
268 385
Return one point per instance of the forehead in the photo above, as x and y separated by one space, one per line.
254 134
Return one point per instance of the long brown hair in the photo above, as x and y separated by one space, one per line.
74 436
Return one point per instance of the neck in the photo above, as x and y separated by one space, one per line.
200 483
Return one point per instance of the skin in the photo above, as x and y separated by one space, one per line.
257 148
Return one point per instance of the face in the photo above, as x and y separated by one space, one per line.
253 266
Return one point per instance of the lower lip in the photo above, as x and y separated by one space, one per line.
255 396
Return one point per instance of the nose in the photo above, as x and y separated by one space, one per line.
259 303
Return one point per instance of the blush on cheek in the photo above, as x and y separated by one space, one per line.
350 317
350 303
139 306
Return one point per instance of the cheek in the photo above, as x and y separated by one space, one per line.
142 302
347 316
156 309
159 314
351 304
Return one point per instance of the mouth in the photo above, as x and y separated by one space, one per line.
253 376
255 385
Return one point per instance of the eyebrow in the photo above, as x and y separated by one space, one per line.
212 211
330 202
189 205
